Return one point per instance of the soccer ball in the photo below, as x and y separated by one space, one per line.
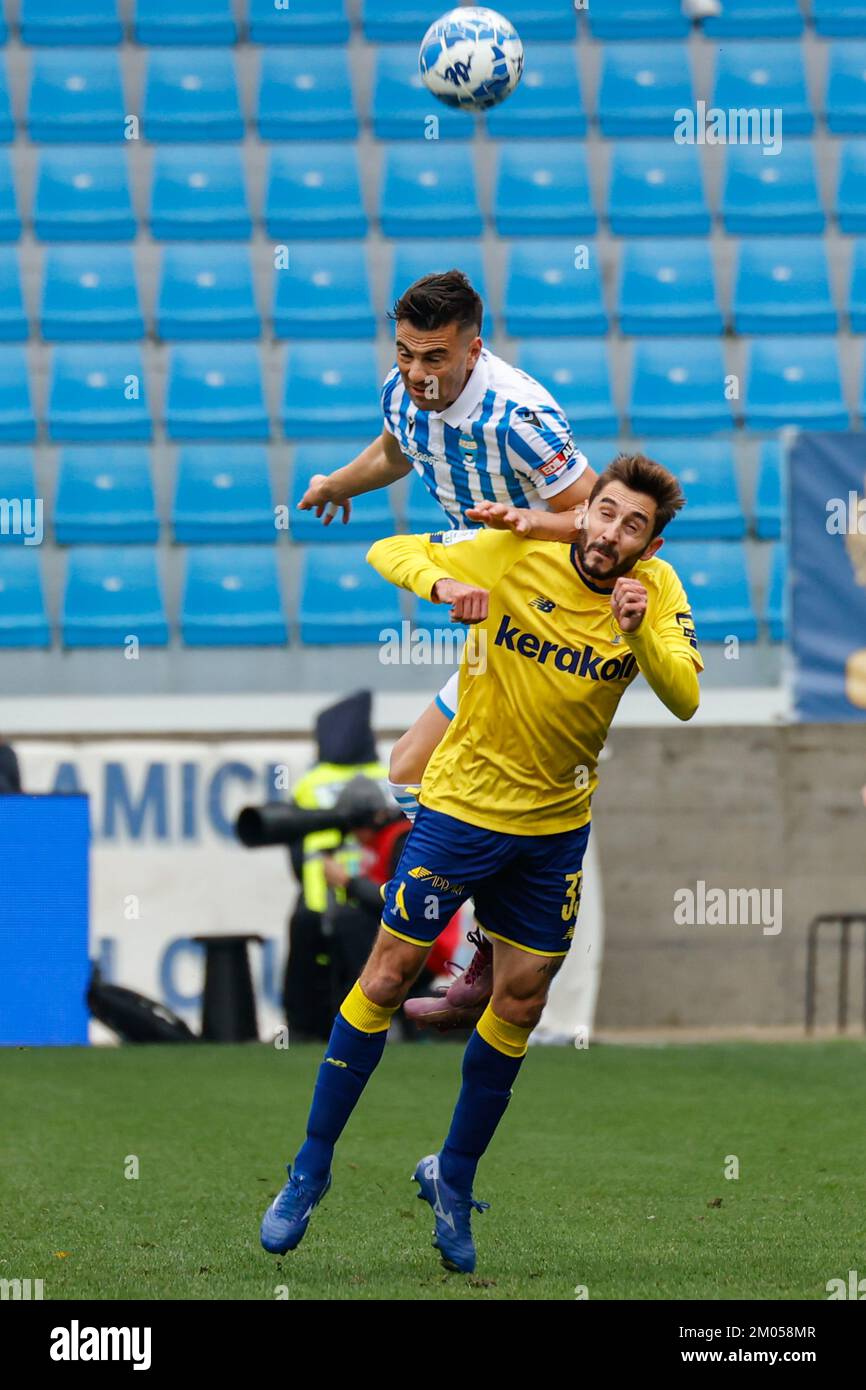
471 58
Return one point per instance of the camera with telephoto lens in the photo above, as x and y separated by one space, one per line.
362 805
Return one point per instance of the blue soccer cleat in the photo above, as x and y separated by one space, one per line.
287 1218
452 1236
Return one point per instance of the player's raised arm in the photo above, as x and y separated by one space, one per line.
475 559
663 642
379 465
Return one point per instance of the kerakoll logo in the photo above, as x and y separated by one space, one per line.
77 1343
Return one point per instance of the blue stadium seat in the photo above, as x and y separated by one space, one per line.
372 512
200 195
90 292
548 102
705 468
10 222
314 192
775 606
668 287
402 105
7 121
642 86
423 513
794 381
546 292
306 94
98 392
83 195
857 290
331 391
70 22
13 317
656 189
414 259
215 391
862 402
18 485
578 375
76 94
543 19
851 190
846 87
184 22
543 190
746 19
223 495
764 76
113 592
678 387
384 22
432 620
783 286
17 421
105 497
772 193
4 27
716 580
344 600
324 292
23 619
637 19
207 292
301 21
769 498
429 188
231 598
192 94
842 18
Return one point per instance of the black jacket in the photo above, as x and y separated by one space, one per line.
10 774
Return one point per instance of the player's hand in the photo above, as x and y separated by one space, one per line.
629 602
501 517
335 873
468 604
318 497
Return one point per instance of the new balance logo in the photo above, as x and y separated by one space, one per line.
544 605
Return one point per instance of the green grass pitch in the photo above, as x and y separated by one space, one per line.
607 1172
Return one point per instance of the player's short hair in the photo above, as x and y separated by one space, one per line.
434 301
640 474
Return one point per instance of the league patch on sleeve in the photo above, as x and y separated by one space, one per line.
687 623
452 537
559 461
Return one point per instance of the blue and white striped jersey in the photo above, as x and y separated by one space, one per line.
504 439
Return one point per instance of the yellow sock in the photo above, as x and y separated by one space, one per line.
363 1014
505 1037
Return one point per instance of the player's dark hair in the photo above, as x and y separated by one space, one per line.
640 474
434 301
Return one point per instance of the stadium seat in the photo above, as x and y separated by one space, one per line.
577 374
215 391
83 195
429 189
7 121
414 259
65 22
678 387
184 22
23 619
656 189
13 317
344 600
423 513
765 77
772 193
402 105
18 486
98 392
546 292
372 512
862 402
306 94
112 593
857 291
642 86
769 498
191 95
432 620
383 22
705 468
301 21
331 391
668 287
324 292
747 19
783 286
4 27
542 19
10 222
90 292
199 195
105 496
842 18
76 95
314 192
231 598
794 381
223 495
775 605
716 581
207 292
17 422
547 103
846 87
543 191
637 19
851 188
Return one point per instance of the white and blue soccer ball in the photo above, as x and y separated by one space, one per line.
471 58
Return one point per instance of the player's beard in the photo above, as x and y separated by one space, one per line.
596 564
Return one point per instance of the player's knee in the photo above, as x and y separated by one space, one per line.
522 1012
387 982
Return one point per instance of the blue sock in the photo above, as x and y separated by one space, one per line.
488 1076
338 1090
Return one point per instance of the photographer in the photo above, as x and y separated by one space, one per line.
10 774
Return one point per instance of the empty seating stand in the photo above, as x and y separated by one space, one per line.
184 22
543 190
706 471
715 578
68 22
199 194
372 512
223 495
113 593
331 391
23 616
206 291
76 95
343 600
215 391
90 292
668 287
305 94
192 94
550 289
324 292
98 392
232 598
783 286
83 195
105 496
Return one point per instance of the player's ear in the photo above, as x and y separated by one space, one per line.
653 548
475 350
